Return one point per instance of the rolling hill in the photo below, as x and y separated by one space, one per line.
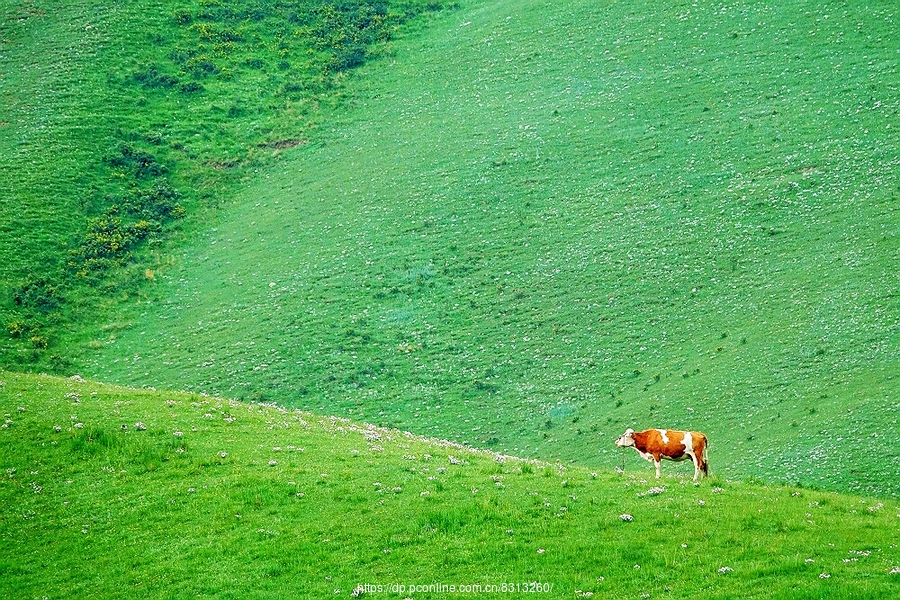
415 265
525 226
538 224
108 492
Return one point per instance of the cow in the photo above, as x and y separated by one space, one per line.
654 444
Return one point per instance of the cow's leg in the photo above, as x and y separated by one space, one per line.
696 466
656 462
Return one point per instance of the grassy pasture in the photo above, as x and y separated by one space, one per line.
118 121
537 224
119 493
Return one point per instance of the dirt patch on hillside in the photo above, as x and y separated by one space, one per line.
283 144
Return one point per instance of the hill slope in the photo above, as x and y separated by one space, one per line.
115 493
122 126
542 223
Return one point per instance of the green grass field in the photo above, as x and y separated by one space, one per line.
211 497
536 225
517 226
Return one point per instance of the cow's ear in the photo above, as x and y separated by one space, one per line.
629 431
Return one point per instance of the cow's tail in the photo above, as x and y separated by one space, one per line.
705 461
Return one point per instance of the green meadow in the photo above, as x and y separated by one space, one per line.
510 228
119 493
536 225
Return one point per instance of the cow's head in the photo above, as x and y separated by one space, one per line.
626 439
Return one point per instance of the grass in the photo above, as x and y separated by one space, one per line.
211 497
532 226
520 226
525 228
120 121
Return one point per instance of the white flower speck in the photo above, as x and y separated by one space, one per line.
626 517
725 569
824 576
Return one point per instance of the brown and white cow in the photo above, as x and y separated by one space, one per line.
655 444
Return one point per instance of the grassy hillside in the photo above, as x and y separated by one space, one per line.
541 223
115 493
118 121
528 228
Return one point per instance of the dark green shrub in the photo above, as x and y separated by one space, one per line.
152 77
349 58
191 87
110 238
201 66
140 163
41 295
18 329
157 203
183 17
154 137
